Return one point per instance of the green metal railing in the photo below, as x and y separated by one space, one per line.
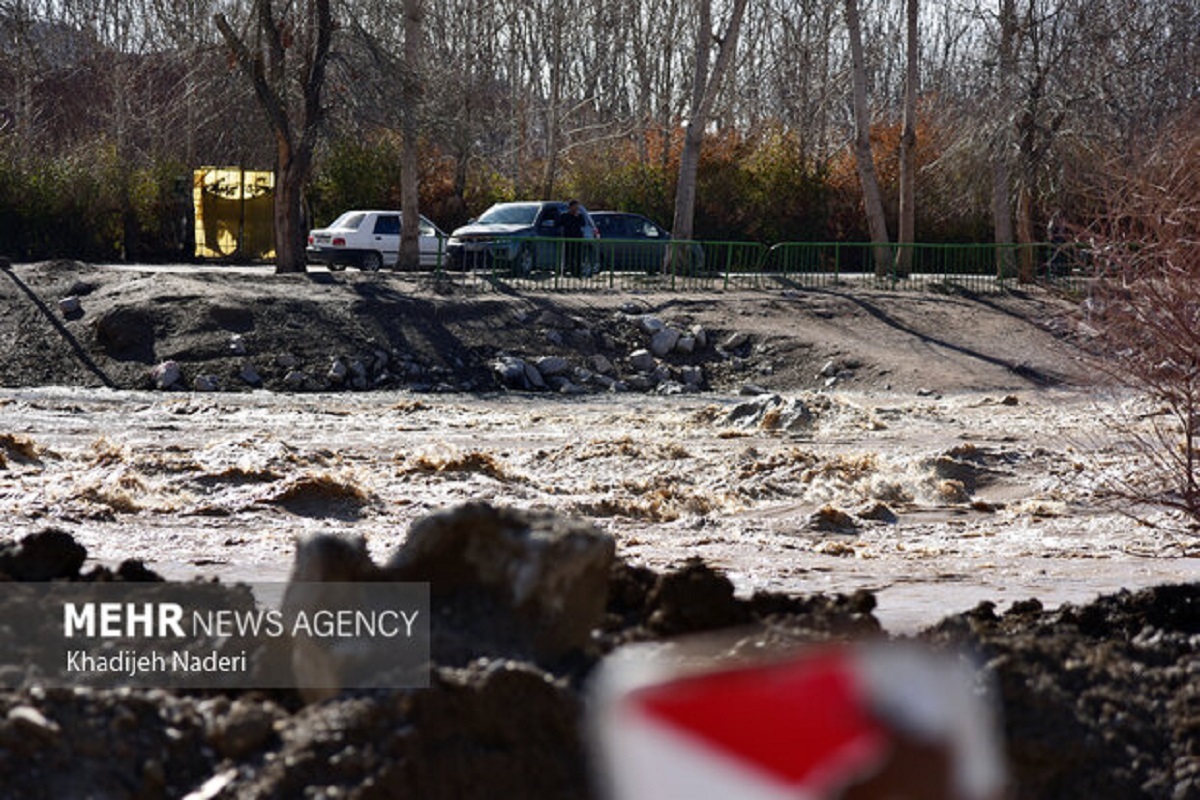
555 264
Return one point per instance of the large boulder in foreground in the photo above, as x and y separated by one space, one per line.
533 581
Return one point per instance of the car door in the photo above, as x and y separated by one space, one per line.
385 237
431 244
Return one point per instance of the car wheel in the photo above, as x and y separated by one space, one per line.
371 261
524 264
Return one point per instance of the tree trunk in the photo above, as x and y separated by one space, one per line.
908 152
1001 174
290 174
295 125
704 92
410 244
863 157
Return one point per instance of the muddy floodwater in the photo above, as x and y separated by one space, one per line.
933 502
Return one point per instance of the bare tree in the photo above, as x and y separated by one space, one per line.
1002 220
705 85
908 146
1146 309
413 86
287 70
863 157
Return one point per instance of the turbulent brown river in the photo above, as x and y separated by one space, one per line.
935 503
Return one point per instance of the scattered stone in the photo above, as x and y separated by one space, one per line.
686 345
70 306
295 379
700 335
642 361
829 370
663 341
772 412
650 325
640 383
600 363
337 371
205 383
923 392
752 390
692 375
237 345
553 366
533 377
735 341
249 375
166 375
510 370
287 361
1010 400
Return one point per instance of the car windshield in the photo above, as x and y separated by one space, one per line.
348 221
513 214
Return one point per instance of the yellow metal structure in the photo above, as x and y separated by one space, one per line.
234 212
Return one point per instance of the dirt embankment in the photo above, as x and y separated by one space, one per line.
67 323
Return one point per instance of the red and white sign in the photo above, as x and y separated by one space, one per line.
802 729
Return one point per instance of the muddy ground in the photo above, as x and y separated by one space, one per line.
862 462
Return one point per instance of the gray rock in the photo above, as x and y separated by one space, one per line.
250 376
664 341
582 339
287 361
337 371
295 379
510 370
700 335
206 383
735 341
555 338
691 375
382 359
650 325
640 383
546 574
533 378
70 306
600 363
829 370
686 345
166 375
237 345
553 366
642 360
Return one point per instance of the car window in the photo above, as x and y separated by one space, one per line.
650 230
426 228
348 221
549 214
519 214
388 225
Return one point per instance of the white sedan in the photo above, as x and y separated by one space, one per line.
370 240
